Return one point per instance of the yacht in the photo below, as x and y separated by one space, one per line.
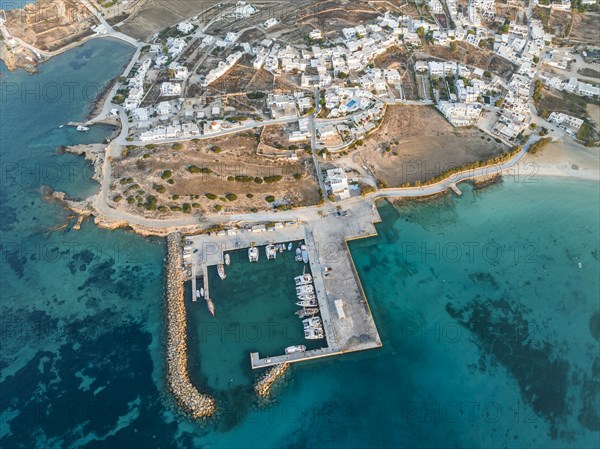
253 254
312 322
303 279
294 349
305 289
307 303
314 334
307 296
227 259
271 251
221 270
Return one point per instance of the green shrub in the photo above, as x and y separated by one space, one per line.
175 197
159 188
210 196
117 198
195 169
177 146
269 198
218 208
230 178
258 180
241 178
187 208
231 196
272 179
249 195
166 174
151 146
130 200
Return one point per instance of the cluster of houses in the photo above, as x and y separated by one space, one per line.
573 85
566 122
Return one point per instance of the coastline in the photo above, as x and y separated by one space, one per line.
564 159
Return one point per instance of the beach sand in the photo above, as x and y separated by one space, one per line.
566 158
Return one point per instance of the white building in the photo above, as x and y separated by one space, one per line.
460 114
170 89
567 122
337 181
185 27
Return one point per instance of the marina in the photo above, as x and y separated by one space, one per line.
333 315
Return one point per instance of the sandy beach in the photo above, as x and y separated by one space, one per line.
564 158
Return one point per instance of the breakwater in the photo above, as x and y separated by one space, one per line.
187 396
263 386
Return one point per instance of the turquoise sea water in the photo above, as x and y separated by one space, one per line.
489 323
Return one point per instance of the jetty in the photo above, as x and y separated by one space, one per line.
347 320
198 405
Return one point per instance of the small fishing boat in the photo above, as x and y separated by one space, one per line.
227 259
61 126
298 255
221 270
307 303
304 253
197 295
311 311
281 247
294 349
82 128
202 291
307 296
290 246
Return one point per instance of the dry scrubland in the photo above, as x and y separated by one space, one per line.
50 24
165 178
416 143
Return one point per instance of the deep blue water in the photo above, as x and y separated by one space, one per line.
489 323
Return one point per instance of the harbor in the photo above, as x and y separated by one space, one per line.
333 312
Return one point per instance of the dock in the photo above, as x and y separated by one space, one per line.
347 320
455 189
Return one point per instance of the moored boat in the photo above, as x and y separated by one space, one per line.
303 279
294 349
227 259
311 311
253 254
290 246
82 128
304 253
221 270
271 251
307 303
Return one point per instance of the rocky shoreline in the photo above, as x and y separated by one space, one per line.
198 405
264 384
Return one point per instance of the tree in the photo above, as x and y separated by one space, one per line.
453 46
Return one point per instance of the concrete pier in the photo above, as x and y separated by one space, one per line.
347 320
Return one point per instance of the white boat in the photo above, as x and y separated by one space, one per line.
298 255
82 128
303 279
314 321
306 296
281 247
304 252
307 303
271 251
253 254
290 246
61 126
202 291
314 334
294 349
197 295
227 259
221 270
305 289
311 311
